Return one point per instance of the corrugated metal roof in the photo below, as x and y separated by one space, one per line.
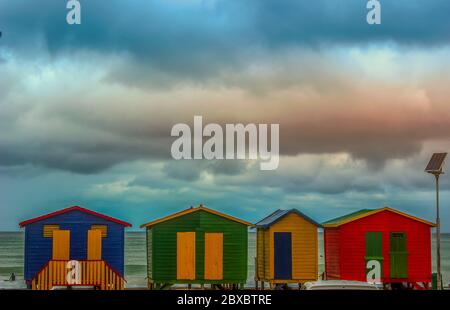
74 208
367 212
279 214
192 209
346 217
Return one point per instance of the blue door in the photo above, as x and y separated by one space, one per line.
283 255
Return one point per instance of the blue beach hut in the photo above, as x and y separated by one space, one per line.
74 246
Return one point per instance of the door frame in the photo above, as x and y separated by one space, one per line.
276 257
94 252
57 254
405 253
186 255
213 262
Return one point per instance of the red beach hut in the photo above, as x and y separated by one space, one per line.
382 245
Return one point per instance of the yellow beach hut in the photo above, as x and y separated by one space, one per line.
287 248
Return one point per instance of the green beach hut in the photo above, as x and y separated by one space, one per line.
197 246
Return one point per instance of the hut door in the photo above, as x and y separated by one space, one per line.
399 256
283 255
61 245
94 244
213 256
374 256
186 255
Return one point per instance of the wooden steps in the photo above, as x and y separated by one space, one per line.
95 273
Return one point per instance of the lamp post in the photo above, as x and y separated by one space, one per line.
438 235
435 167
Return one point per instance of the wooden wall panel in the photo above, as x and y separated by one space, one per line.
304 246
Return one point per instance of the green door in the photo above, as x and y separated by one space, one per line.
374 256
399 256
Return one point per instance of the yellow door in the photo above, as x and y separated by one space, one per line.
186 255
61 244
213 256
94 244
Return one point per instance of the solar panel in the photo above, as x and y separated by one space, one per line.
436 163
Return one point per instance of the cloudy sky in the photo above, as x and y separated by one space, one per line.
86 111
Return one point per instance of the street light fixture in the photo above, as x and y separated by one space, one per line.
434 167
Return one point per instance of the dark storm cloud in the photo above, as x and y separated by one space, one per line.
70 134
90 128
192 39
94 132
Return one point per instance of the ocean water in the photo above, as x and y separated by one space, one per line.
11 258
